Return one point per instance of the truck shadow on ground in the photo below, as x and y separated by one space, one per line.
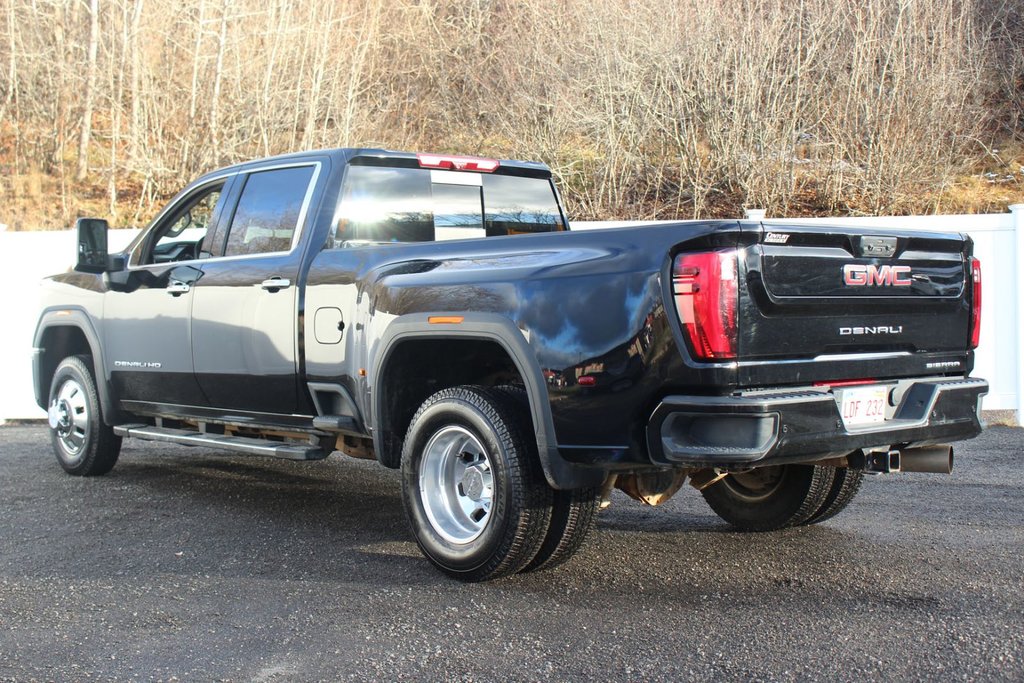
172 510
344 519
235 516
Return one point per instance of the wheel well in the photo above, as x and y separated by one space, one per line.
59 342
416 369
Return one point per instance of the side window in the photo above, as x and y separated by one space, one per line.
181 235
268 211
385 205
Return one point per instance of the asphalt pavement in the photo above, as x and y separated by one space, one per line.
186 565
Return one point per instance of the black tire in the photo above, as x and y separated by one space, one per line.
480 431
573 514
844 487
83 444
770 498
572 517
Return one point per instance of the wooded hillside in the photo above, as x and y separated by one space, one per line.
644 108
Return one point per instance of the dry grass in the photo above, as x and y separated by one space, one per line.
996 180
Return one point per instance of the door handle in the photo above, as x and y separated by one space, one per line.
275 283
177 288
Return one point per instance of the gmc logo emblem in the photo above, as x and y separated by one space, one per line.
856 275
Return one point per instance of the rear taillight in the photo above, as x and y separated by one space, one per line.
704 287
975 303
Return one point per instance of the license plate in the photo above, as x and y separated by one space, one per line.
863 405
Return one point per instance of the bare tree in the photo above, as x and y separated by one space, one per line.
90 90
643 108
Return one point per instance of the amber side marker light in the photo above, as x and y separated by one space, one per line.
445 319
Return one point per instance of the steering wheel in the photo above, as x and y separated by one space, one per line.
175 251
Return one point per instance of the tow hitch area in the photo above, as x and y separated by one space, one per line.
933 459
881 462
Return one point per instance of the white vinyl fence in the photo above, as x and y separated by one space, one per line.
27 257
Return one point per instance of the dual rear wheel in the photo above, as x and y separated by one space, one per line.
475 493
769 498
480 508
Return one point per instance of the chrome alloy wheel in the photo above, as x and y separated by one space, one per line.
756 484
68 416
456 484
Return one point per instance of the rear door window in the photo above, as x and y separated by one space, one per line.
268 211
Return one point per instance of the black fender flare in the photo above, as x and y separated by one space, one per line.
560 473
72 316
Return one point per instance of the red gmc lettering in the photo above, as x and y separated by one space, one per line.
856 275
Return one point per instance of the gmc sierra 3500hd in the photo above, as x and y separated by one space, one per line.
435 312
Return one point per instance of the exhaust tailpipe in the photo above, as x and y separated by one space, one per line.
936 459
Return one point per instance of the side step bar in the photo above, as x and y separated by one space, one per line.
239 444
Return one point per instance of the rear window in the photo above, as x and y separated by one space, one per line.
382 205
514 205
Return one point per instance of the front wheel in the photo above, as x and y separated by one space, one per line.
472 485
769 498
83 444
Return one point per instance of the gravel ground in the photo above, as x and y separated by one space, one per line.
185 565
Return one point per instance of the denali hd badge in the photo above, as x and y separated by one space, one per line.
856 275
874 329
144 364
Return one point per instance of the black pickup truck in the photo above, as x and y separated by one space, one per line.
437 314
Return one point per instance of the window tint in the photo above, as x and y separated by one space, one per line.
381 204
385 205
181 238
515 205
268 211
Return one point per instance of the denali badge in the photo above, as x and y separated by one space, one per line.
856 275
137 364
875 329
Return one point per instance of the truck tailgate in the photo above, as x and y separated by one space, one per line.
816 292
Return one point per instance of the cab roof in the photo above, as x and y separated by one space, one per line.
386 157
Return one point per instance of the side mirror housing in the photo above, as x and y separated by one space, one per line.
92 245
